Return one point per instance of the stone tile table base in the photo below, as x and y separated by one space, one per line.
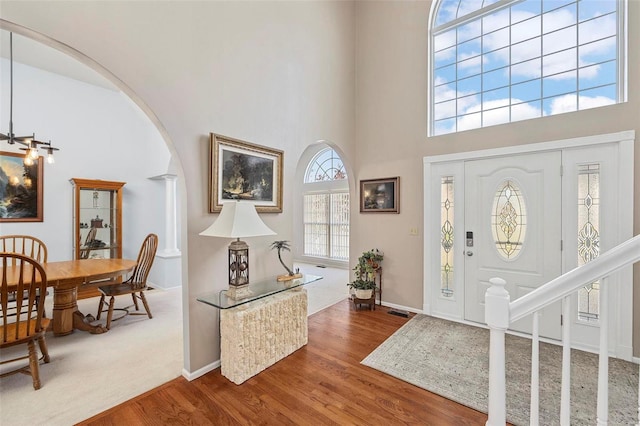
258 334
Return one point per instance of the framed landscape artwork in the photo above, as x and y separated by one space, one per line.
380 195
241 170
20 189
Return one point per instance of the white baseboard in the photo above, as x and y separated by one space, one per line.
625 352
200 372
400 307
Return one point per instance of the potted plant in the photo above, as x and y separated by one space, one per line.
372 257
365 270
362 288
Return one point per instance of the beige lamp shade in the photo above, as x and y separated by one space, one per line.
238 220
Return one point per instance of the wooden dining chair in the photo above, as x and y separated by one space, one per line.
22 321
135 285
85 249
25 245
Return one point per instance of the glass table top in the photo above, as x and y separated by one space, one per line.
259 290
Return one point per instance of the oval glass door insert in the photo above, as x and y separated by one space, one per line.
509 220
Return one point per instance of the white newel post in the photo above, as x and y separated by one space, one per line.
496 315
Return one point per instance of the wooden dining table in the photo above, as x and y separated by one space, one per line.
66 277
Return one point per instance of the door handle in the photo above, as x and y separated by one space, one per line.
469 253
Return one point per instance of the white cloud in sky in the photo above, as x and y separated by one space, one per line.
451 108
568 103
471 63
497 111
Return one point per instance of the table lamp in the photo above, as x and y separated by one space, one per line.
238 220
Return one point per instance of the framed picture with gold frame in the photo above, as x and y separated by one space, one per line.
240 170
21 194
380 195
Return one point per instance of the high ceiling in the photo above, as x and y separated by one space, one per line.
35 54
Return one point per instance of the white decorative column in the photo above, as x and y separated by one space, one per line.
167 269
170 209
258 334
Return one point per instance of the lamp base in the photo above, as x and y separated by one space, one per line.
237 292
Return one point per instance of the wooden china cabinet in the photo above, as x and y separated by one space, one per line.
97 219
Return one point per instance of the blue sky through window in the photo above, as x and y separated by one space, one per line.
530 59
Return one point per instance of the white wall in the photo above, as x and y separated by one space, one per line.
101 135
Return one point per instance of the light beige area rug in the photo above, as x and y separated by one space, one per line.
452 360
90 373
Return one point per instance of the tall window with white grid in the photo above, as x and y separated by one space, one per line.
500 61
326 207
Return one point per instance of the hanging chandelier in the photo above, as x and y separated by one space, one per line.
30 143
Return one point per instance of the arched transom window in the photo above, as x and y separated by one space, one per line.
325 166
499 61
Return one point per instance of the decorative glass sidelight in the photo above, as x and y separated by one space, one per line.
509 220
588 237
446 236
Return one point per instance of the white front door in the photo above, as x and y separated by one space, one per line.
512 225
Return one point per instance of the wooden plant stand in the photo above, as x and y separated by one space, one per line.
370 301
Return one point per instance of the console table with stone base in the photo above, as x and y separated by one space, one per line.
258 334
261 329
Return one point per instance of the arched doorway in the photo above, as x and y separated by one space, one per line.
91 147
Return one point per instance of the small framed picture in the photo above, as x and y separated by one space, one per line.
380 195
21 196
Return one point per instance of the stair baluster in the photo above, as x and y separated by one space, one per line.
500 313
534 414
603 359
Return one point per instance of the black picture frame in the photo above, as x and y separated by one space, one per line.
380 195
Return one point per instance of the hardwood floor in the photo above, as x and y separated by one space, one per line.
320 384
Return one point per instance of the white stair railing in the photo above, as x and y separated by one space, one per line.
500 312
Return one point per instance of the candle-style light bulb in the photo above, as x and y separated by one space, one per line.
50 158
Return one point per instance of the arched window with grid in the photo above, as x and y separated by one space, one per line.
326 207
500 61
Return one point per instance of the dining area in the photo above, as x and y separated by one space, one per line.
89 373
27 279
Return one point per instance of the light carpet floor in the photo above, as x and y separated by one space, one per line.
331 289
90 373
452 360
